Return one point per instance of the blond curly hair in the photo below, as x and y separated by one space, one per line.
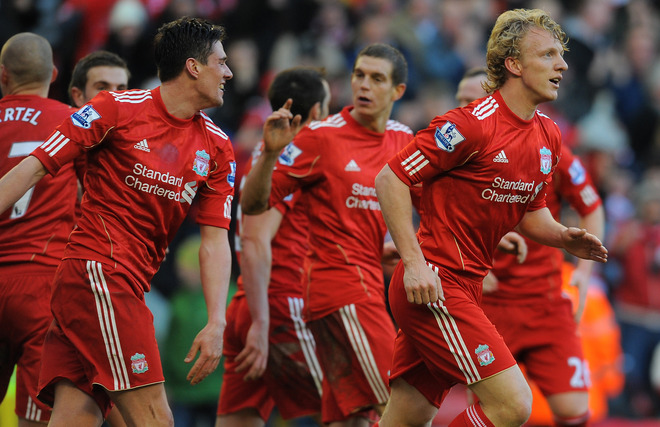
504 42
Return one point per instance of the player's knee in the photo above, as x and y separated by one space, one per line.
570 405
517 407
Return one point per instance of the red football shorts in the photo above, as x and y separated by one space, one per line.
25 317
103 334
444 343
354 346
292 380
544 338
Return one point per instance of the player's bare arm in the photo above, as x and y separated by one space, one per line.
19 180
256 260
215 266
421 283
279 129
540 226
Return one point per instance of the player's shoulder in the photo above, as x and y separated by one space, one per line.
396 126
214 130
128 97
329 124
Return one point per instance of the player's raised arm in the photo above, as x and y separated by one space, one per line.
279 129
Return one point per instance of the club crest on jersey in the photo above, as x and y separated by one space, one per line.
84 117
577 172
231 178
546 160
448 137
289 154
139 363
201 163
484 355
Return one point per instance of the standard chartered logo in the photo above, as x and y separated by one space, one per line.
161 184
189 192
361 198
500 191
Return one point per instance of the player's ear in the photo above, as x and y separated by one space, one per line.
77 96
54 75
4 75
315 111
192 67
513 66
399 90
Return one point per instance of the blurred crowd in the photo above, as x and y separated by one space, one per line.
608 108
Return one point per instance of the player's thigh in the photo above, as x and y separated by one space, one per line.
144 405
408 405
72 406
505 392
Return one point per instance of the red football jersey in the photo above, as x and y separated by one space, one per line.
334 162
539 277
289 245
36 228
144 167
482 168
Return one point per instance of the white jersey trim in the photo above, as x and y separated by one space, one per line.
54 144
335 121
486 108
132 97
414 163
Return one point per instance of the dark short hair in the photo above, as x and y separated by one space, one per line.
475 71
390 53
304 85
181 39
100 58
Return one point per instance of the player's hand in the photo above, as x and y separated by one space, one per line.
489 284
208 343
254 356
280 128
513 243
578 242
422 284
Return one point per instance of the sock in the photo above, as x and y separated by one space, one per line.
472 416
579 421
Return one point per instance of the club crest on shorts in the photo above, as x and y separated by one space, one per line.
201 163
484 355
139 363
546 160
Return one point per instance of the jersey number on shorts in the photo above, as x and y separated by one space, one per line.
581 376
22 149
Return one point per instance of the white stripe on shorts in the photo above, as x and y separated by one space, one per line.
106 318
32 412
453 338
363 352
307 343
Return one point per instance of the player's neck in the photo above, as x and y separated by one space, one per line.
177 100
375 123
518 102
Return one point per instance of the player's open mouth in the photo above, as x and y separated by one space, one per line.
222 87
556 81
